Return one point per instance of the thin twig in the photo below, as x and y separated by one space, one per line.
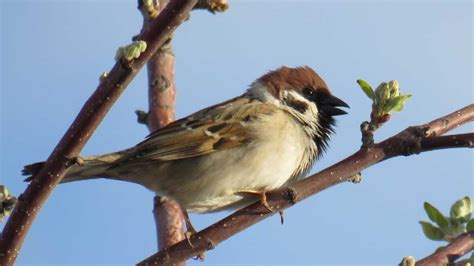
94 110
456 249
456 119
449 141
406 142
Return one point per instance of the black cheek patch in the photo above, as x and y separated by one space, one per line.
297 105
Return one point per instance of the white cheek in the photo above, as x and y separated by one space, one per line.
312 110
260 92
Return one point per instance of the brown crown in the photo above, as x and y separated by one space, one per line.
293 78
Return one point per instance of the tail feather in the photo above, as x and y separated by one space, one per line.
91 168
31 170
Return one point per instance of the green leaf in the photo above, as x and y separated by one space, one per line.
436 216
470 225
395 104
401 100
432 232
389 105
461 210
366 88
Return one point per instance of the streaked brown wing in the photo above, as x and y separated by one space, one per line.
216 128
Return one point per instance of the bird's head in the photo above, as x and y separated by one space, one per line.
303 93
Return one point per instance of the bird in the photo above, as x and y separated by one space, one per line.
229 154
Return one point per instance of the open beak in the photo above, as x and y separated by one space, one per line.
330 103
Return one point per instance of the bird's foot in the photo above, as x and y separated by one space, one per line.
282 217
190 231
262 195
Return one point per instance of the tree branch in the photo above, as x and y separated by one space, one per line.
161 97
162 94
444 124
456 249
92 113
409 141
161 111
448 142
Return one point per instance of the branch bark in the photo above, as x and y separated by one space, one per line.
92 113
456 249
410 141
162 94
161 111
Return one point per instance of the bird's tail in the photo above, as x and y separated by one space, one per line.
86 168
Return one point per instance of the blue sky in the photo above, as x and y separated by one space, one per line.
53 52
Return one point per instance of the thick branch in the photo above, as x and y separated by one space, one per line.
405 143
92 113
169 222
161 104
456 249
162 94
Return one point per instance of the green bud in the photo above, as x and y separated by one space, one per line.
382 92
436 216
103 76
470 225
366 88
408 261
131 51
394 84
461 210
432 232
454 230
147 2
394 88
389 105
3 192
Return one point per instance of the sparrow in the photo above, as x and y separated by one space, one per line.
228 155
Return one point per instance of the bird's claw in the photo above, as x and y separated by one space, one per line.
190 232
262 195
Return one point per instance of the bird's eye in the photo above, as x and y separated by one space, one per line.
308 91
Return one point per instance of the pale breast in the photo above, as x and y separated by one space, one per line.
212 182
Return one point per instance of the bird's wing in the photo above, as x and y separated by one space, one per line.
216 128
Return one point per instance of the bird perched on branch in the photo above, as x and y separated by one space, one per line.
229 154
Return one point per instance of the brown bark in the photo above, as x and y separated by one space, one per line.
456 249
410 141
161 111
92 113
162 94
